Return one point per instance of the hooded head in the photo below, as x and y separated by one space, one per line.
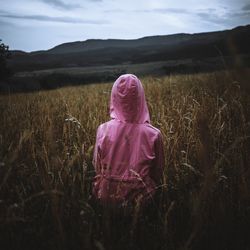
128 103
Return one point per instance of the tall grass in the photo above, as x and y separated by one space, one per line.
46 147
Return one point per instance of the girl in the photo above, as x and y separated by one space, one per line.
128 154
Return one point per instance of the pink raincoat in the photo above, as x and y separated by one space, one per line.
128 155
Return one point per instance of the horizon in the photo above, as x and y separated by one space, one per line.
43 24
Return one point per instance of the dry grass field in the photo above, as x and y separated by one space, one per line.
46 176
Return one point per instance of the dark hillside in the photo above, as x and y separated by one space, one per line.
148 49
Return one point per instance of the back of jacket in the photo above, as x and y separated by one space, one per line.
128 156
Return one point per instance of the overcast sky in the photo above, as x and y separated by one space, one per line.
42 24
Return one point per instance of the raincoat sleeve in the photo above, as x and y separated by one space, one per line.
96 157
159 160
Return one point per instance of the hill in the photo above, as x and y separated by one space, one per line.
97 52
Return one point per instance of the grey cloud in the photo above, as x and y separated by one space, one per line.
115 11
207 13
246 7
177 11
211 17
184 11
164 10
242 14
65 6
171 10
62 5
229 18
157 10
53 19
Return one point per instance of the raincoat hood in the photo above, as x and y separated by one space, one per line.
128 103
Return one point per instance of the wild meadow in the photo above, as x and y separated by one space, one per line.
46 171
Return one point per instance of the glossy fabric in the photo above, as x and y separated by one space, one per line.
128 155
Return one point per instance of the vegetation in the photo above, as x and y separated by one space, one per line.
4 55
46 176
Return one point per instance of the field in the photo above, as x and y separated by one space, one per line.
34 80
46 174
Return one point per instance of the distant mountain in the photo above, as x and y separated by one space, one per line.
98 52
97 44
